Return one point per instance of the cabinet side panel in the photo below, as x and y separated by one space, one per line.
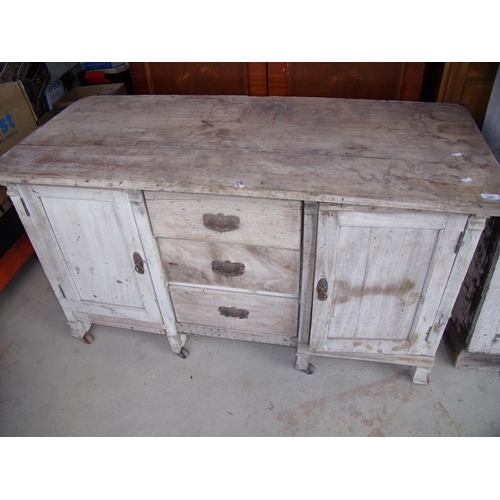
474 288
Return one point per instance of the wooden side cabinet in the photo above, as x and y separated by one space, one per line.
340 228
473 333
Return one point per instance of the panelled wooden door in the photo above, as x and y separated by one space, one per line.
357 80
378 268
372 80
90 237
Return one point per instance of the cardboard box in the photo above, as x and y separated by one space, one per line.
17 118
17 121
80 92
54 92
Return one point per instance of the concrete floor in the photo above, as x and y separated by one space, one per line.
130 384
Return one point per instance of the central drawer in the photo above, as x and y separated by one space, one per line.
226 219
252 268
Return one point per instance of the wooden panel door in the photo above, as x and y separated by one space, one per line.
468 84
197 78
386 274
89 237
358 80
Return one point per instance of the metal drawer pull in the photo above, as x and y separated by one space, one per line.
228 268
220 222
139 263
322 288
232 312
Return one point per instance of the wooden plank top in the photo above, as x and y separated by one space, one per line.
394 154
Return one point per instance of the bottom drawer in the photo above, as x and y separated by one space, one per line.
243 312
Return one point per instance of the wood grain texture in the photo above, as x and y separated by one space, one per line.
84 264
256 78
412 81
139 78
461 357
225 333
475 300
381 262
197 78
395 358
158 277
309 240
273 223
266 269
270 315
389 154
374 80
486 336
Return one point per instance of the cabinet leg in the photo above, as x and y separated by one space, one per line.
419 375
79 328
301 361
176 342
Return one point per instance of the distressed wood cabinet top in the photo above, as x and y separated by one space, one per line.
407 155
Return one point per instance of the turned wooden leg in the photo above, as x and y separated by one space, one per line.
176 342
419 375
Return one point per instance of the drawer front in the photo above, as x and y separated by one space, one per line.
251 268
245 221
243 312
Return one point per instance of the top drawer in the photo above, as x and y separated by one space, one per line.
248 221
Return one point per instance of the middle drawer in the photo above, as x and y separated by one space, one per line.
252 268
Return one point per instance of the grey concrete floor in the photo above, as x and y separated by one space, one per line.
129 383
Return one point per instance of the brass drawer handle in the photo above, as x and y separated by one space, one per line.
232 312
228 268
139 263
220 222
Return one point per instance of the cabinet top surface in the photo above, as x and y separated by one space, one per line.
393 154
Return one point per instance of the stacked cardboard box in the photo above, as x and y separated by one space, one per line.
17 120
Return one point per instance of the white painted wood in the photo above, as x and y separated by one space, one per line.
89 245
387 177
307 276
267 314
484 337
210 331
271 223
266 269
160 282
34 228
420 375
378 278
393 358
235 290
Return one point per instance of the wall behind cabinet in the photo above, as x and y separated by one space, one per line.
467 84
352 80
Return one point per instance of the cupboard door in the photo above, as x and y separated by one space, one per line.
385 275
90 237
355 80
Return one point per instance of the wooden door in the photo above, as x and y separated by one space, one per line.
356 80
386 274
89 237
196 78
